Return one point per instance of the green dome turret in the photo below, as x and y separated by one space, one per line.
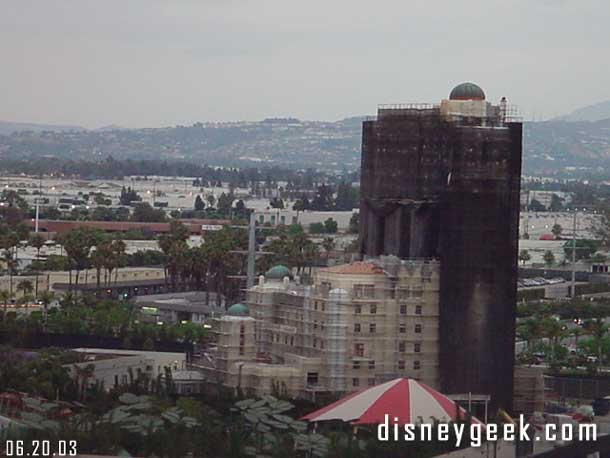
238 310
467 91
278 273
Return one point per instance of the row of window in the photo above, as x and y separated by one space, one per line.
402 347
373 309
402 328
370 381
403 309
356 364
416 365
406 293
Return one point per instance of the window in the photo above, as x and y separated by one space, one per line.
315 324
322 344
403 293
366 291
355 381
373 309
315 305
315 343
358 309
418 309
416 365
356 365
292 341
372 328
371 364
359 349
312 378
401 347
356 327
417 292
401 364
403 309
417 348
418 328
323 306
371 381
402 328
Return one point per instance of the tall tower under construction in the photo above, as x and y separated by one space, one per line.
442 182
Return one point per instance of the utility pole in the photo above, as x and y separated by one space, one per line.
37 200
527 219
573 288
251 250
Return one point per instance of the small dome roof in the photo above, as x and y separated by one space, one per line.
238 310
278 272
467 91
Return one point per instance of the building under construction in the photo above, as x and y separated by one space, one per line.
357 325
442 182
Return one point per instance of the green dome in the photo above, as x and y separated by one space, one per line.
467 91
278 272
238 310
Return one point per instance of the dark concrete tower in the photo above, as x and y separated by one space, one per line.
442 181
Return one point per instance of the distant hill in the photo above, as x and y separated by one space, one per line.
109 128
579 149
595 112
7 128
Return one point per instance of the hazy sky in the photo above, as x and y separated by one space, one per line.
153 63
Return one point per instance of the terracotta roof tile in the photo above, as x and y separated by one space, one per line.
356 268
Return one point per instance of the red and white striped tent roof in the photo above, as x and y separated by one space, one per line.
406 399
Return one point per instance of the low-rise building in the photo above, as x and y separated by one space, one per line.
112 368
190 306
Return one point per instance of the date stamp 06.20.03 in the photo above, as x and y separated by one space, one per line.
38 448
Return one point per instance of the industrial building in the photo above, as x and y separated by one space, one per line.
441 182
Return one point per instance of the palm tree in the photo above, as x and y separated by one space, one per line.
11 265
46 298
37 241
577 332
598 329
98 262
531 331
118 251
328 244
555 331
27 287
78 244
5 297
83 375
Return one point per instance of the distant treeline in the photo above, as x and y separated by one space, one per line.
111 168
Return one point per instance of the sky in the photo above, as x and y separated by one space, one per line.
152 63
